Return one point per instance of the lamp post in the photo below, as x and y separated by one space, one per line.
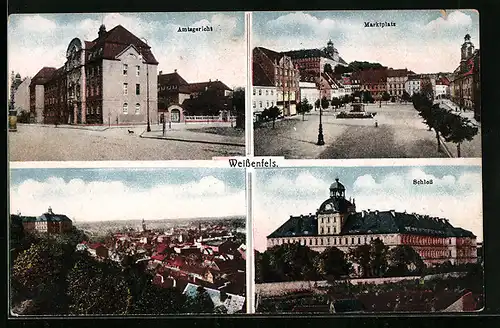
321 140
148 129
12 110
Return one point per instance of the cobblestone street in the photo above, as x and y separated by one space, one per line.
47 143
400 134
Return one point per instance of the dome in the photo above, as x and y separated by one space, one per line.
337 185
333 205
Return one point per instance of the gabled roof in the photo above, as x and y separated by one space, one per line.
271 54
171 79
303 225
116 40
50 217
259 76
201 86
396 222
43 76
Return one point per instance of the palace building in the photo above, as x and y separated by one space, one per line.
337 223
109 80
48 222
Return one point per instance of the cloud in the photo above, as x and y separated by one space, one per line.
113 200
455 19
37 24
456 196
200 56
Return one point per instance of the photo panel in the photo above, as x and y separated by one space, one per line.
372 240
366 84
126 86
127 241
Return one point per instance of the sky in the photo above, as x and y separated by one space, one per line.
129 193
35 41
422 40
456 194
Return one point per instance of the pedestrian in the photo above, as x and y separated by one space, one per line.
163 125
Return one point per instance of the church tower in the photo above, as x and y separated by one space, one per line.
102 30
467 51
333 212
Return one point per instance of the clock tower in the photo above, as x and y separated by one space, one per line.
332 213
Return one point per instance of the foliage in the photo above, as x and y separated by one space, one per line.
426 89
364 65
97 287
333 263
386 96
404 260
304 107
316 103
271 113
361 256
367 97
372 258
458 129
336 102
157 301
23 116
201 302
393 99
208 102
238 103
405 96
288 262
325 103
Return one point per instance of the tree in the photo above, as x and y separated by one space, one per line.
272 113
361 256
426 89
458 129
386 96
405 97
325 102
346 99
378 257
335 102
290 262
238 103
317 103
304 107
97 287
201 302
332 262
156 300
340 69
367 97
404 260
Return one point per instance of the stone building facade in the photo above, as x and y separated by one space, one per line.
338 224
465 85
48 223
279 71
110 80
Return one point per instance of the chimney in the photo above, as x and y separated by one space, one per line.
175 70
50 210
363 213
376 212
160 72
209 80
393 213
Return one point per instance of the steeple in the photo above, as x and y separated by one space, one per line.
337 189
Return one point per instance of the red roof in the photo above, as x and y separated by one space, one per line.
158 257
43 76
96 245
116 40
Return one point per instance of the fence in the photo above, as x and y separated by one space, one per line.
208 119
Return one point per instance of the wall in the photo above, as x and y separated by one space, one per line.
267 98
39 102
113 95
22 96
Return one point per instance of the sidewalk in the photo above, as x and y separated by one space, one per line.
85 127
190 136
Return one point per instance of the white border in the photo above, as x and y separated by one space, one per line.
249 87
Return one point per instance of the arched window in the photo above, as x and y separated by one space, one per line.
125 108
137 108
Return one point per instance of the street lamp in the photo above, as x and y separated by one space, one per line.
321 140
12 110
148 129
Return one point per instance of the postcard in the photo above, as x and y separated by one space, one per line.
145 86
127 241
366 84
349 240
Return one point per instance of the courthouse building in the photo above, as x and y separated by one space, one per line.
109 80
337 223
